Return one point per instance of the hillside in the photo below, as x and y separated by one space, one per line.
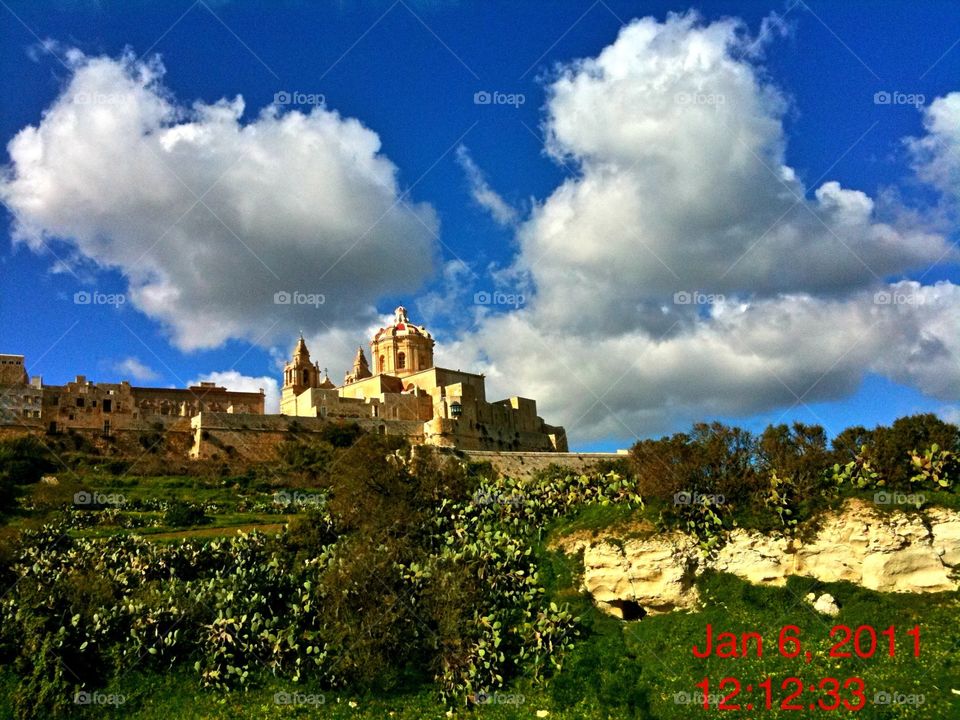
355 576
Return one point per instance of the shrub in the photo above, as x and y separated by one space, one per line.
935 467
183 514
340 434
892 447
24 460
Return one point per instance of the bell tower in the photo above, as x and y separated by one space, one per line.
300 374
360 368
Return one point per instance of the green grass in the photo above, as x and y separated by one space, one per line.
617 670
635 669
643 667
607 519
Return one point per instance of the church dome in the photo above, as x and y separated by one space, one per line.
402 347
402 327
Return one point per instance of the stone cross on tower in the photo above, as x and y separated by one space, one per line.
400 315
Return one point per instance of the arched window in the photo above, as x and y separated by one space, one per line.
306 377
401 361
381 363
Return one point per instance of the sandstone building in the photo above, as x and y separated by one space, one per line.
105 407
402 394
408 395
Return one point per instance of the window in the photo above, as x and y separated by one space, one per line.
381 367
401 361
79 402
106 427
107 405
306 377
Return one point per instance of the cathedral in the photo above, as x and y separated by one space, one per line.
399 391
405 394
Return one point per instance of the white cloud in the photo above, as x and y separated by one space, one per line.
484 195
208 215
950 414
935 153
132 367
236 381
682 186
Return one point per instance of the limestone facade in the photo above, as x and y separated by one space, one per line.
450 405
20 399
405 394
104 407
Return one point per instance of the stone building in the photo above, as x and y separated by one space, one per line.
404 394
20 398
409 396
104 407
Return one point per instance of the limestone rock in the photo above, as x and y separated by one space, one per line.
650 575
756 558
945 528
888 552
827 605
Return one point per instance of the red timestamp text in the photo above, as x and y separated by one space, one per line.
824 694
863 641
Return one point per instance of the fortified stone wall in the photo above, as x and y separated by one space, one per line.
525 464
256 437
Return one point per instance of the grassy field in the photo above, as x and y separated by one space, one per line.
642 669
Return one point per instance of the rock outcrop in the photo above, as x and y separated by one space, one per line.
888 552
655 575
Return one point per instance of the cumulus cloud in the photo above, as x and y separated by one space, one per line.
132 367
237 381
934 154
484 195
683 185
224 228
686 271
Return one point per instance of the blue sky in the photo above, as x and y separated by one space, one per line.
408 72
